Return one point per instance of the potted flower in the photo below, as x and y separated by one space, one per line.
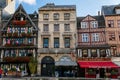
91 73
32 65
114 73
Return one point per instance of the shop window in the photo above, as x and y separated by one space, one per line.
102 53
93 53
85 53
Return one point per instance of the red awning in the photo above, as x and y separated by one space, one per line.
96 64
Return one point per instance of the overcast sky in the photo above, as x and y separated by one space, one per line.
83 7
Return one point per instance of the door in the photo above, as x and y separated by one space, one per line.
47 66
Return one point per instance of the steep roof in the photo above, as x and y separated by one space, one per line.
109 10
2 3
100 19
21 10
49 6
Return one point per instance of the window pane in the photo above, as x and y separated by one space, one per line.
111 36
66 16
56 27
45 43
95 37
56 16
45 27
85 53
84 24
94 53
94 24
67 27
85 38
67 42
110 23
45 16
56 42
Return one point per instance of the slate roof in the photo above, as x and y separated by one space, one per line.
2 3
100 19
53 6
109 10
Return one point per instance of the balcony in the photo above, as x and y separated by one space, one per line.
19 46
17 59
18 22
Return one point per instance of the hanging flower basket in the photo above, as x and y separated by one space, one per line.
17 22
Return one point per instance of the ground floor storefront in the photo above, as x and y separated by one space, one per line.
98 69
60 66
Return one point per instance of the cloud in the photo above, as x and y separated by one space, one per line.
31 2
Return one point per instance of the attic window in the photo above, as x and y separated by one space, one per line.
117 11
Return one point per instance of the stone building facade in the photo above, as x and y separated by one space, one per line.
56 38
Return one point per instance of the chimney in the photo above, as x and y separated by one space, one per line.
99 13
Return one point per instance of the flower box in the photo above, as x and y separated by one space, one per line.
17 22
90 76
114 76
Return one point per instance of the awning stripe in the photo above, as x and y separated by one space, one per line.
96 64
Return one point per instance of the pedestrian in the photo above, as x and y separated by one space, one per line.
0 73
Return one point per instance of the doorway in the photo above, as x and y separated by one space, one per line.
102 72
47 66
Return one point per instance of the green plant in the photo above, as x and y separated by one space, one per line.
91 71
32 65
114 72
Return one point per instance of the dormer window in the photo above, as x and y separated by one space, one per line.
117 11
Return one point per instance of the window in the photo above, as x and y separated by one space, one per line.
56 27
56 42
117 11
118 23
110 23
93 53
45 42
45 27
67 42
56 16
94 24
84 24
30 40
111 36
85 53
46 16
95 37
85 37
102 53
67 27
119 35
66 16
